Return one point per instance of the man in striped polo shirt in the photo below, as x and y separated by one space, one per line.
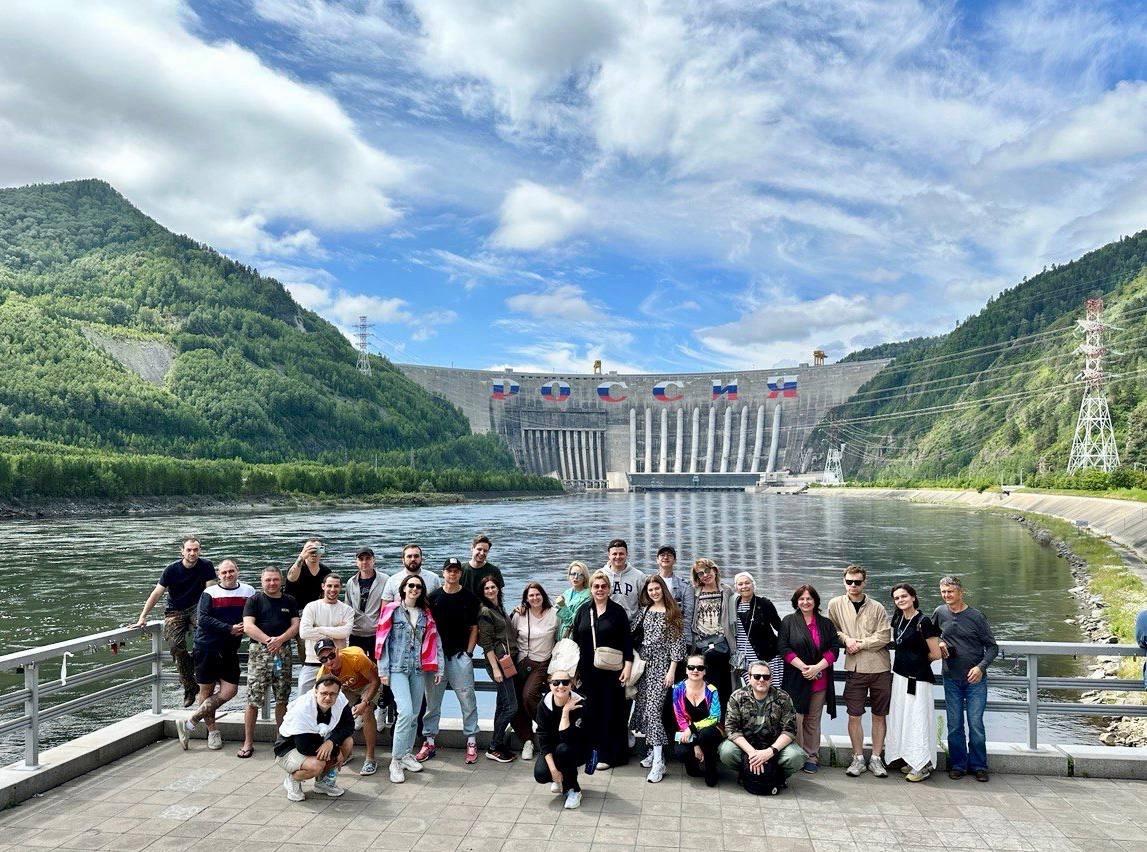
218 634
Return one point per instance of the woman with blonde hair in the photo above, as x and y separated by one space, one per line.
573 598
659 636
712 637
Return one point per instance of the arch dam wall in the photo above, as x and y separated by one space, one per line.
596 430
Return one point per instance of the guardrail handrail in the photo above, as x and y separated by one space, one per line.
30 661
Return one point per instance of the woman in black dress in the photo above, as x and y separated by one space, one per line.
809 644
604 689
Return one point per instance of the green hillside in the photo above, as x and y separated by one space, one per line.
991 398
251 375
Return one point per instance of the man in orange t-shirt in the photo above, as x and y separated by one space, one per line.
359 678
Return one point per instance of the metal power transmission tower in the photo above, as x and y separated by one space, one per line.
833 474
361 339
1094 442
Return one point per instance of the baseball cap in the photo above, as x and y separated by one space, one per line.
364 551
324 644
452 562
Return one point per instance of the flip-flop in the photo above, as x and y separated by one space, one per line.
245 752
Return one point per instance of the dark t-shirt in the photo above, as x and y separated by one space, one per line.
185 585
272 615
911 644
473 578
365 584
455 614
308 587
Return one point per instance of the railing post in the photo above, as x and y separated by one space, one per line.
32 711
1033 701
156 669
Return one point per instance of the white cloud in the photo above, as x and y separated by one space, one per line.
203 136
559 302
534 217
564 357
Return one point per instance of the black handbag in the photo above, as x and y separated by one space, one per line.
639 630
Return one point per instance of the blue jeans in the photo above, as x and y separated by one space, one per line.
459 676
962 698
505 708
408 691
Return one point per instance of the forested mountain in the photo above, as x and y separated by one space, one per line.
238 369
993 397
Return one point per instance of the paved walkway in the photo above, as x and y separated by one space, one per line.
163 798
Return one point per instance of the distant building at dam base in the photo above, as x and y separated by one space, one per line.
681 430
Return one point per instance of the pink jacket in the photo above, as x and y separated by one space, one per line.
430 642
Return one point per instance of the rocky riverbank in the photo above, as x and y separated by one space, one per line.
1093 622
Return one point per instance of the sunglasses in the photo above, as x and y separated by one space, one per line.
695 668
760 676
326 658
560 681
415 586
704 571
854 582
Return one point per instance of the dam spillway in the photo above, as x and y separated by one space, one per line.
614 430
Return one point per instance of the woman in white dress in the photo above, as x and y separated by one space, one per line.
911 738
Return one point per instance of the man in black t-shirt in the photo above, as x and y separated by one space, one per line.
455 612
475 572
305 579
271 621
184 581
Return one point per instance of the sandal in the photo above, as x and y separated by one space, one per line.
245 752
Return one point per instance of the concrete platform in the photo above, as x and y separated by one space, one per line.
162 798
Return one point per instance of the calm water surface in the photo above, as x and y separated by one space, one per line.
71 577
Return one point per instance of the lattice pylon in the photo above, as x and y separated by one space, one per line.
362 340
833 474
1094 443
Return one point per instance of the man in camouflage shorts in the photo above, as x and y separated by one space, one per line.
760 725
271 621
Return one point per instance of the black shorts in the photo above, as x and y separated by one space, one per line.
213 665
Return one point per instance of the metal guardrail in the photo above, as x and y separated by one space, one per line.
36 688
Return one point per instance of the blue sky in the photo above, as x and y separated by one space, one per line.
667 186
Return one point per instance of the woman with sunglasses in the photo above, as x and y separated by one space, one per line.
659 636
573 598
602 625
408 648
755 622
536 623
498 639
809 643
561 738
697 708
713 614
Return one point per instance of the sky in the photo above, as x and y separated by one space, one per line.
665 186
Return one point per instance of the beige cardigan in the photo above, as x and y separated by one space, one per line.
870 627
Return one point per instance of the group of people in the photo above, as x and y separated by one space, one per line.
688 661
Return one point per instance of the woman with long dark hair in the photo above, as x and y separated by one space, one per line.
697 709
712 635
659 636
536 624
407 646
808 641
601 630
499 642
911 734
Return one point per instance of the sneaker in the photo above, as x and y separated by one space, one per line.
330 788
647 761
410 763
918 776
981 775
427 751
215 740
811 767
905 769
876 766
857 767
294 789
369 767
573 800
555 787
656 772
397 776
184 735
500 756
471 752
528 750
956 774
603 767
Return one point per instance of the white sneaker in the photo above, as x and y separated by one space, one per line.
184 735
573 800
397 776
857 767
647 761
876 766
215 740
330 788
656 772
555 787
294 789
528 750
408 762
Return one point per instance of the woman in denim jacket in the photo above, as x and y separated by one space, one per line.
408 649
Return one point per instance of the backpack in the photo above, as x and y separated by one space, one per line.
769 782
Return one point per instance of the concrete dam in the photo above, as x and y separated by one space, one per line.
625 431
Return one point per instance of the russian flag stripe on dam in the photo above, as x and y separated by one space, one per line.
728 391
661 391
782 386
502 389
605 388
555 391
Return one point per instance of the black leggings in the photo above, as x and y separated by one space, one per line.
708 739
568 758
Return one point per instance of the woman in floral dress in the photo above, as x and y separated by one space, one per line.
659 636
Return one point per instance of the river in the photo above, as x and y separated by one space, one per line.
69 577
